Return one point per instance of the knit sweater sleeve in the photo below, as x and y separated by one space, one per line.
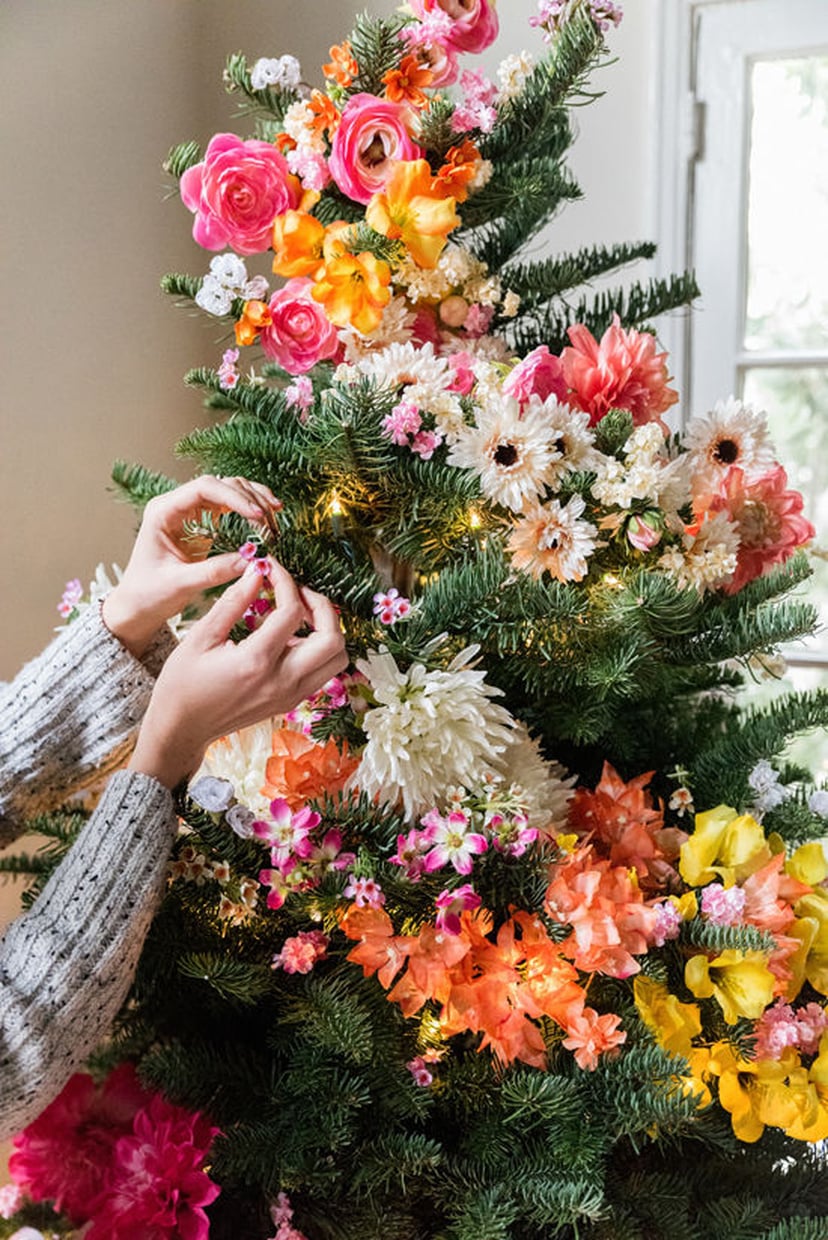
66 965
69 716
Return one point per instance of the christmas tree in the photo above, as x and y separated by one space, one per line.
514 931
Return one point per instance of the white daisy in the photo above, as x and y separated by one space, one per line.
510 454
573 441
399 365
552 538
430 731
731 434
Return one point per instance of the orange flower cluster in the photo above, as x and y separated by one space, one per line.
342 67
499 988
623 819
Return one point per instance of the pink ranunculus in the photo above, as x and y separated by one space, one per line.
474 22
539 374
622 371
463 376
300 334
158 1186
768 518
236 192
372 135
65 1154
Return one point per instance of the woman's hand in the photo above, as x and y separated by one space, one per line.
210 686
167 569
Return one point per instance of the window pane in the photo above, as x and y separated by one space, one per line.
787 284
796 402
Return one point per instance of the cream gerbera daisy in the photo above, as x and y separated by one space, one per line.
552 538
400 365
573 441
241 758
731 434
510 454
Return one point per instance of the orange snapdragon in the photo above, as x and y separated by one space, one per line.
326 115
255 316
460 167
409 210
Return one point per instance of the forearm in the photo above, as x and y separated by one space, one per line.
69 716
66 965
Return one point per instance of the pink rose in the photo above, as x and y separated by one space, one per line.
539 374
371 136
475 24
300 334
236 192
464 378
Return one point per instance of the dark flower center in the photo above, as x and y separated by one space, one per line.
726 451
506 454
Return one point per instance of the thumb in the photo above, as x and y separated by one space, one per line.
214 628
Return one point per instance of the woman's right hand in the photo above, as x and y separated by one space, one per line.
210 686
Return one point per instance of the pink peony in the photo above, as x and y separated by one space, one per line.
64 1155
371 137
769 520
539 374
474 22
622 372
236 192
300 334
158 1188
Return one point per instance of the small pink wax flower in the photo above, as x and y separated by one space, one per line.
418 1069
236 192
373 135
72 595
391 607
365 892
450 904
299 334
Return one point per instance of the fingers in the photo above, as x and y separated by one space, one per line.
214 628
200 575
249 499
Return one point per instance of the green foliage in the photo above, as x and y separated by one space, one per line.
538 281
375 46
182 157
138 485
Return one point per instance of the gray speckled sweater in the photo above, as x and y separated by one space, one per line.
66 964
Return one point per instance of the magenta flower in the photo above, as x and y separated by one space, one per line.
409 854
453 843
418 1069
236 192
286 832
391 607
450 904
511 836
158 1188
365 892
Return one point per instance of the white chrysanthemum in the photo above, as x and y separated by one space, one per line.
241 759
430 731
394 328
513 72
731 434
510 454
708 559
552 538
284 72
400 365
545 786
572 440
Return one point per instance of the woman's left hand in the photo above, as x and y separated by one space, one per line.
167 569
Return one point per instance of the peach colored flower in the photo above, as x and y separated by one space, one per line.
342 67
299 334
236 192
409 210
768 518
590 1036
300 770
622 371
255 316
298 244
372 135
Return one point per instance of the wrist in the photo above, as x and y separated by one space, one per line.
133 626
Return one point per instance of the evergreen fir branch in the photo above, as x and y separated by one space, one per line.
178 284
395 1162
181 157
741 633
797 1229
707 935
138 485
436 134
560 77
333 1018
496 242
545 178
234 980
635 306
272 101
334 206
375 45
719 772
735 1218
555 1204
221 841
257 400
489 1212
537 282
362 237
252 449
530 1098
